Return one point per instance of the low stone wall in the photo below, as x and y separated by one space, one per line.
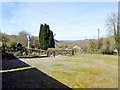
54 52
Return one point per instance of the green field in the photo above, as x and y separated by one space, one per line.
80 71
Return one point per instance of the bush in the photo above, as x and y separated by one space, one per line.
110 52
18 54
34 54
11 44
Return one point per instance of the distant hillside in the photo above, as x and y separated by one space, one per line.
84 43
69 41
59 43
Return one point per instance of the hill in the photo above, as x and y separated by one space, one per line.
84 44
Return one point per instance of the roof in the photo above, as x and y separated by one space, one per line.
77 47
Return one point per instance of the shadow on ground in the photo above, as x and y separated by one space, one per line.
29 78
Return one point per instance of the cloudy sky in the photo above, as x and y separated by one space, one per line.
68 20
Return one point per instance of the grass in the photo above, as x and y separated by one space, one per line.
57 65
0 43
80 71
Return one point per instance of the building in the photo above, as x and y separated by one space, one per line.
77 49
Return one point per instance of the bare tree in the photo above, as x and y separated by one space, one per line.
113 26
22 38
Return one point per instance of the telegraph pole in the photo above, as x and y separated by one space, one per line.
98 33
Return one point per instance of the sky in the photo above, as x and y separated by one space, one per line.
68 20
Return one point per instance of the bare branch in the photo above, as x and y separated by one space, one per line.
112 23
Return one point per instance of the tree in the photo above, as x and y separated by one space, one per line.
22 38
107 45
46 38
41 36
34 42
5 37
100 44
11 44
92 46
113 25
51 40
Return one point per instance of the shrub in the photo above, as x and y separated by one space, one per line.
11 44
18 54
34 54
105 51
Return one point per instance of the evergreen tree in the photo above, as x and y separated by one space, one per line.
46 38
41 36
51 40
